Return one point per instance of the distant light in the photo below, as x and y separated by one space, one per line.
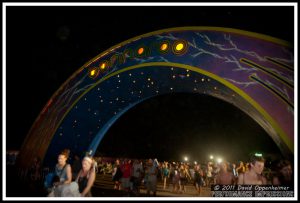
195 162
219 160
140 50
149 79
211 157
258 154
164 47
185 158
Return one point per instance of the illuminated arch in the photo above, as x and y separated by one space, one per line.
252 71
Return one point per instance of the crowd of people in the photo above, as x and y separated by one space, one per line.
130 175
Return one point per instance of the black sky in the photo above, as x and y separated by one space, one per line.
45 45
172 126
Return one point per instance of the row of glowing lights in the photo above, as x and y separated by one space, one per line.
219 160
211 157
179 47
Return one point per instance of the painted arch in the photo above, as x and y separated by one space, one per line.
254 72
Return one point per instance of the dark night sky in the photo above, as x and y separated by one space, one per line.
45 45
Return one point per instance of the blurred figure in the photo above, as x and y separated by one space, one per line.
63 169
234 171
184 176
198 179
165 174
126 171
62 175
254 175
224 177
284 174
175 179
76 166
86 177
151 172
241 168
35 170
136 177
209 173
117 175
